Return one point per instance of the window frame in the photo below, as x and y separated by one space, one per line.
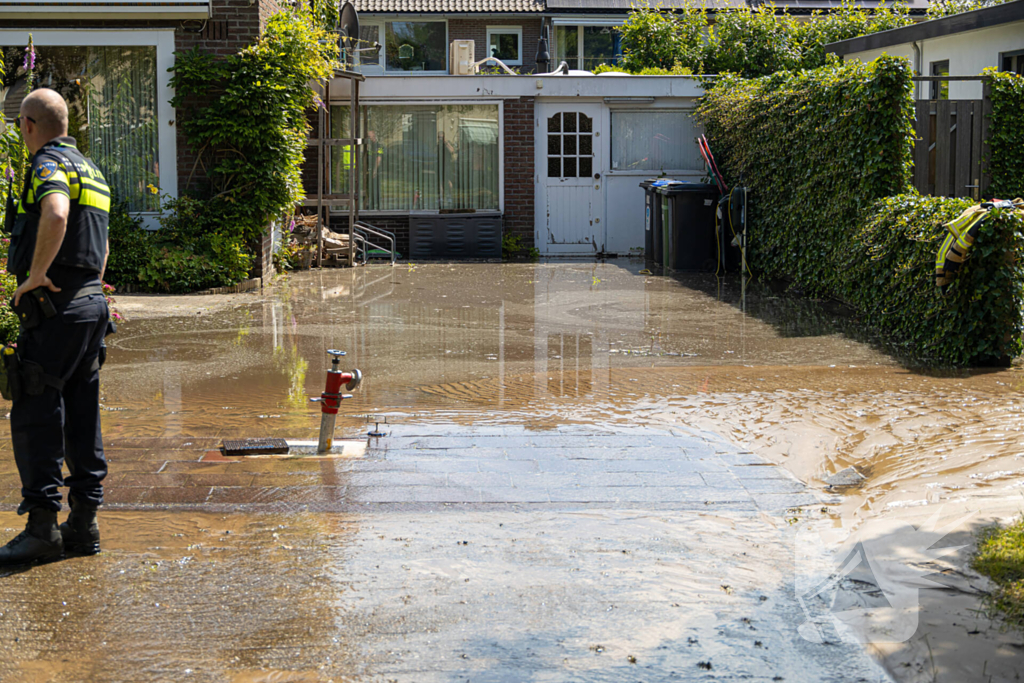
379 67
378 102
937 86
163 41
579 25
1012 55
671 109
507 30
411 20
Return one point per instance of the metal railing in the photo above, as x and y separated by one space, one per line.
365 230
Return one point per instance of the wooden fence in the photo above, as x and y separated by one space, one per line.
951 139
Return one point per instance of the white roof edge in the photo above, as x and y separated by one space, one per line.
105 9
485 87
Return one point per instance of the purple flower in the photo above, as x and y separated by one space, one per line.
30 58
9 173
291 227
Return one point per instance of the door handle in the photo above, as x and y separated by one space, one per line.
597 176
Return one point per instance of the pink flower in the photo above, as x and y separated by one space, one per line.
30 58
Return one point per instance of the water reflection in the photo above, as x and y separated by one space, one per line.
438 337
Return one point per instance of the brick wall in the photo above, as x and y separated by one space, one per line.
234 24
476 30
519 168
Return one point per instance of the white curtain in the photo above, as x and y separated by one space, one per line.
123 122
423 157
655 141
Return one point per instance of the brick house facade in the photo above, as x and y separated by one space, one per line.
475 29
518 214
233 25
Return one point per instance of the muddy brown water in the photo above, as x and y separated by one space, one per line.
797 381
550 344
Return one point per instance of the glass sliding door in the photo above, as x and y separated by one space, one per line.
586 47
423 157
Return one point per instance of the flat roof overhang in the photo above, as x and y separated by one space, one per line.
64 10
623 89
986 17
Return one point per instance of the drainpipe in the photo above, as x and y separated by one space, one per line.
918 65
543 58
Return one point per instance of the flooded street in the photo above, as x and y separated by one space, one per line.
656 541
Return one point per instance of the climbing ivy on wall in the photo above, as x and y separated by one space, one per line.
1006 134
827 157
245 117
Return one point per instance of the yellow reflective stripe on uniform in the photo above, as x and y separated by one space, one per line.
94 199
94 183
74 184
940 259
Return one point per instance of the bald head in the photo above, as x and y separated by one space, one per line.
48 110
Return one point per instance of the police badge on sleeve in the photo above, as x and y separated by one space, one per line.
45 169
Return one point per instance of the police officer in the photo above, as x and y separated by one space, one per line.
58 251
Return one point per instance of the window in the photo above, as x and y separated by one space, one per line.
940 89
570 145
416 45
368 35
1013 62
423 157
112 110
586 47
506 43
655 140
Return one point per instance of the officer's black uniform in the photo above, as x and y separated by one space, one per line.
59 417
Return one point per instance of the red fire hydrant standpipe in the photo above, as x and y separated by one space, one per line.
332 397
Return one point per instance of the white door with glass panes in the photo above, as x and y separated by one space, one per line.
570 201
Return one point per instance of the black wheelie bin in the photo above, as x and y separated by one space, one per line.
688 225
652 222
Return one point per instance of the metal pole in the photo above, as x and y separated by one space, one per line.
743 253
321 122
353 168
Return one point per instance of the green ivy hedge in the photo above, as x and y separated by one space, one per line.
816 148
891 280
1006 134
827 156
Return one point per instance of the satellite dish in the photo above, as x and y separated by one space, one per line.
348 26
349 21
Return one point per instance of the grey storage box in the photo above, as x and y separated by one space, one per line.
454 235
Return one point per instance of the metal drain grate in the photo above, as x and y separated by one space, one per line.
255 447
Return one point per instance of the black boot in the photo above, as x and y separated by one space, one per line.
39 543
81 533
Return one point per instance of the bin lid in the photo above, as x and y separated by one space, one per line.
679 188
648 183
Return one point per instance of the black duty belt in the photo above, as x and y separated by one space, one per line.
66 296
